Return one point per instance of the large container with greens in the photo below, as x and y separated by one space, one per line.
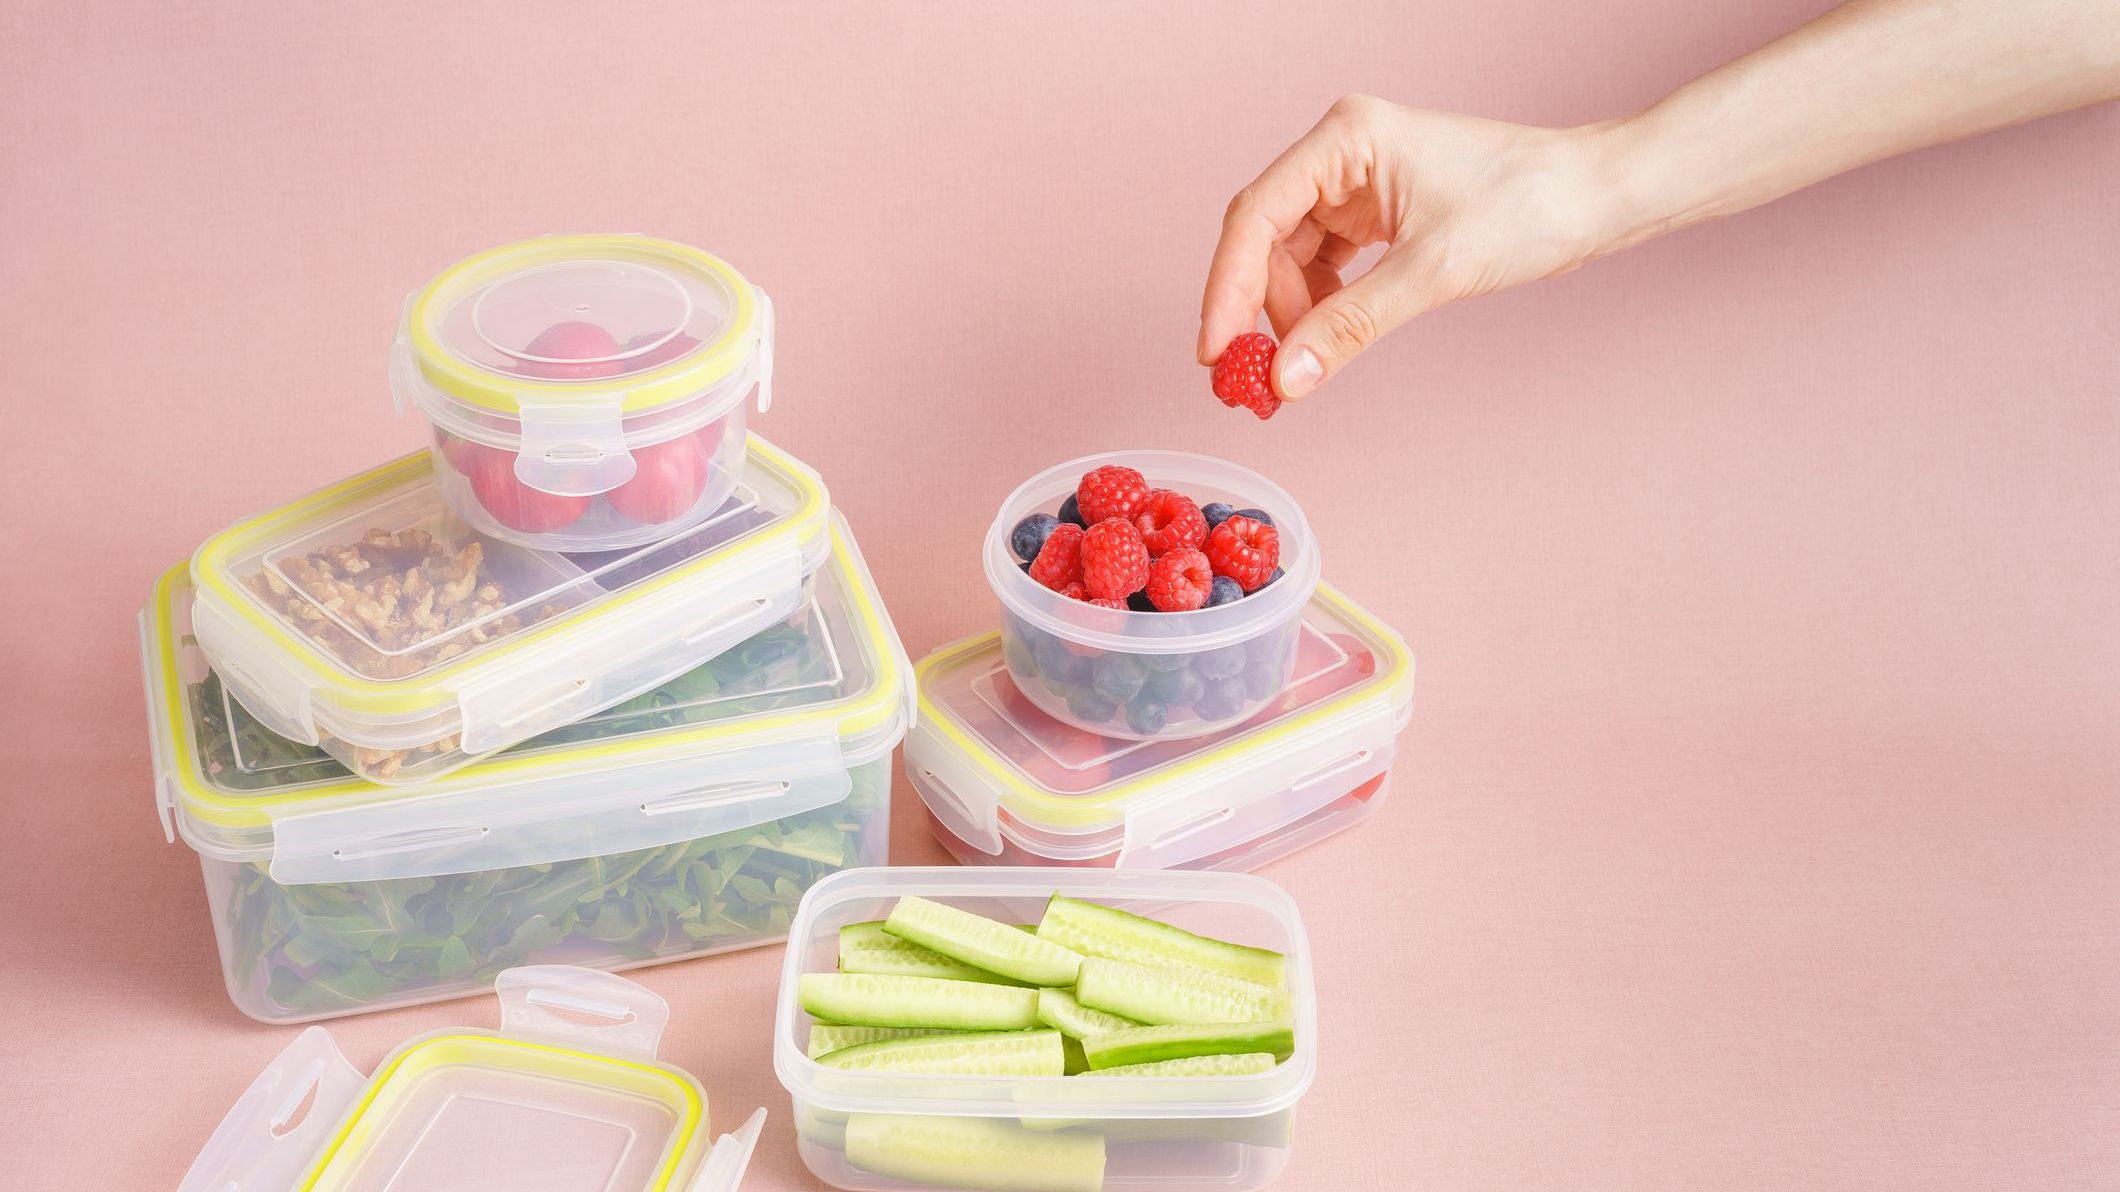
684 821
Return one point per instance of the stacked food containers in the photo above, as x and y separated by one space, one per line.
418 736
1274 716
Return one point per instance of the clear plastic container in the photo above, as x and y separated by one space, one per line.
567 1096
686 821
1096 668
586 392
1118 1134
368 619
1006 784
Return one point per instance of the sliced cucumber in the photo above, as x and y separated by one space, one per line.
828 1037
981 942
1195 1065
975 1152
867 948
1096 930
1058 1009
1076 1060
1009 1053
1150 1044
879 999
1171 995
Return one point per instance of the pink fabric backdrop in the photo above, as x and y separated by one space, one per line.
1758 824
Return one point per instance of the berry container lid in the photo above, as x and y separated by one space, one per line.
778 722
566 1094
571 350
368 619
995 769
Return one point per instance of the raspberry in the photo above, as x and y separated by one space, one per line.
1101 602
1169 521
1241 376
1074 590
1179 581
1109 491
1114 560
1059 561
1246 551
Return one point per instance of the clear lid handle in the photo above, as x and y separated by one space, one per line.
723 1171
579 1007
764 349
277 1126
571 446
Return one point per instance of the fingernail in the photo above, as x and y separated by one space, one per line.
1300 373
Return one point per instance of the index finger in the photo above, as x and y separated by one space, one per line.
1262 215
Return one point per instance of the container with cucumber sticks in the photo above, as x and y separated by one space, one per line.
1046 1030
684 821
1003 783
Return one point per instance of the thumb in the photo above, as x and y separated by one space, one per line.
1347 322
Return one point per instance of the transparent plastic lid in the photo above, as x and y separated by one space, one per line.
567 1096
832 675
369 612
992 764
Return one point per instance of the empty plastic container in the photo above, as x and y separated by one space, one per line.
366 618
586 392
685 821
1004 783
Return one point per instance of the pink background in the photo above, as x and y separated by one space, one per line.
1758 824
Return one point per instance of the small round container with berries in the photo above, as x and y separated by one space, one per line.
1150 595
586 393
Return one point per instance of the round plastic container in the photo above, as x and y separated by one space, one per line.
1152 676
883 1131
586 392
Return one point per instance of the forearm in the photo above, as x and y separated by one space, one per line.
1868 80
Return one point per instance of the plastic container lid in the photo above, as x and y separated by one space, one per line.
767 730
567 1095
571 350
462 645
993 767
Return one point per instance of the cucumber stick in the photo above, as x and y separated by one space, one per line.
828 1037
1058 1009
1196 1065
982 943
975 1152
1169 995
1009 1053
1151 1044
1094 930
867 948
880 999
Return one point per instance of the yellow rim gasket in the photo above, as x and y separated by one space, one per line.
851 715
1025 799
427 692
679 379
646 1080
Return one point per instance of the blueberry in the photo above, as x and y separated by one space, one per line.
1225 662
1018 655
1222 699
1056 661
1146 716
1257 515
1085 704
1278 572
1140 603
1178 688
1029 536
1069 513
1267 647
1262 679
1224 591
1165 662
1118 677
1216 513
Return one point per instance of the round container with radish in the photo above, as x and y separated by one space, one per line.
1126 668
586 393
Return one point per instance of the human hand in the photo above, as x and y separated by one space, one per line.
1465 207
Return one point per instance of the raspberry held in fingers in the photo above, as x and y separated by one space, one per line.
1242 375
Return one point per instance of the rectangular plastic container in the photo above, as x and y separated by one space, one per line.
1147 1134
567 1096
1006 784
369 619
686 821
